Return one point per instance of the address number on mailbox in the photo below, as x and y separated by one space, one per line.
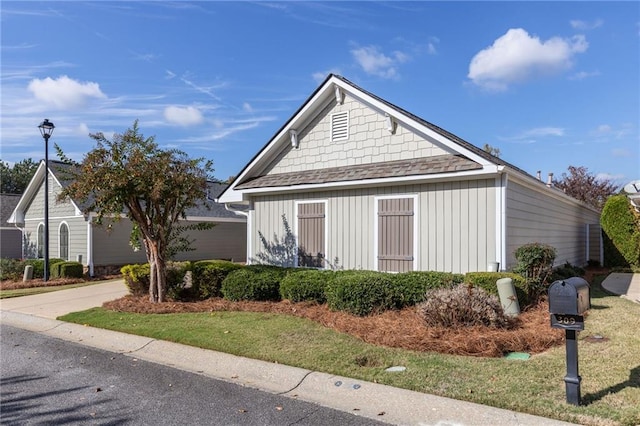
567 322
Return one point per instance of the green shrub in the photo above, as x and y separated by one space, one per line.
566 271
462 305
410 287
38 266
305 285
361 292
254 282
136 277
487 282
621 231
178 287
11 269
70 269
535 261
208 276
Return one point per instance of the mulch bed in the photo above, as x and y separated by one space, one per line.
398 329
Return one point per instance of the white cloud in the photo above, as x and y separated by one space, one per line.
609 176
584 25
517 56
319 76
183 116
621 153
377 63
532 135
247 107
584 74
603 129
64 92
82 130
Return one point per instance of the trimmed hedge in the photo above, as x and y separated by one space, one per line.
487 282
361 292
254 282
38 266
410 288
621 231
136 277
66 270
208 276
305 285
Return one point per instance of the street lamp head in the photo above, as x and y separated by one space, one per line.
46 128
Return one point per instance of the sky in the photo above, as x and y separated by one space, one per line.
549 84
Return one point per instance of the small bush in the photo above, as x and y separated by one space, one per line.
361 292
255 282
410 287
38 266
208 276
137 278
11 269
462 305
177 285
535 261
305 285
70 269
487 282
566 271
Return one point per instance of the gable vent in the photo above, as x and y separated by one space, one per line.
340 126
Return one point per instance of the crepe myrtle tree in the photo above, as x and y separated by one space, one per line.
131 176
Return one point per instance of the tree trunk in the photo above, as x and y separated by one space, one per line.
157 273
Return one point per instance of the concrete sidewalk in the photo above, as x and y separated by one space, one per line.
626 285
371 400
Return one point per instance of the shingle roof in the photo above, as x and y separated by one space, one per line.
214 210
411 167
8 203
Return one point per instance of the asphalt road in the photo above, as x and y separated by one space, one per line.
49 381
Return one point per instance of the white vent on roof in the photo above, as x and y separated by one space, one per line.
340 126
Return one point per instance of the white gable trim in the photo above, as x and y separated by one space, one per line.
322 97
31 191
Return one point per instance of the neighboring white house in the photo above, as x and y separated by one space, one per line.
74 235
367 183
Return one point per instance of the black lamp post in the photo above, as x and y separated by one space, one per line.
46 129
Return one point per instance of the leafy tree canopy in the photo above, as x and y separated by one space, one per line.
16 178
491 150
586 187
130 175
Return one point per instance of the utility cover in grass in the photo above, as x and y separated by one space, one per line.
518 355
396 369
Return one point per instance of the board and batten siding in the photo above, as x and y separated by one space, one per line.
456 224
368 142
536 217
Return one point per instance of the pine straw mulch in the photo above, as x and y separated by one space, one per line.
398 329
38 282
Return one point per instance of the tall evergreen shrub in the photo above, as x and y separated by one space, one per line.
621 230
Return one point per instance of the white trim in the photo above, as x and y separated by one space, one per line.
90 244
416 226
501 220
326 226
250 217
52 218
213 219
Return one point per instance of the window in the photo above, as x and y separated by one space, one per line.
395 234
40 241
311 234
340 126
64 241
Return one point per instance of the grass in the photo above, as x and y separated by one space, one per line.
5 294
610 368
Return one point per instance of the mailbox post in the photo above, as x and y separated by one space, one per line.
568 301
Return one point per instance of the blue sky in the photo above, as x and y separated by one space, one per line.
549 84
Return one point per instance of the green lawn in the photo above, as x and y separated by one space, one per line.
610 369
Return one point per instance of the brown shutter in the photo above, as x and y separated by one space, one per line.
395 234
311 223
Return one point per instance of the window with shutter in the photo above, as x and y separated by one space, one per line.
311 234
395 234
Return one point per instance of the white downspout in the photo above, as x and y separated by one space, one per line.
249 216
501 219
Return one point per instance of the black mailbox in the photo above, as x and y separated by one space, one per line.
569 299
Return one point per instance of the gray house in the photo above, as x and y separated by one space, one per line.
74 235
10 236
367 183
